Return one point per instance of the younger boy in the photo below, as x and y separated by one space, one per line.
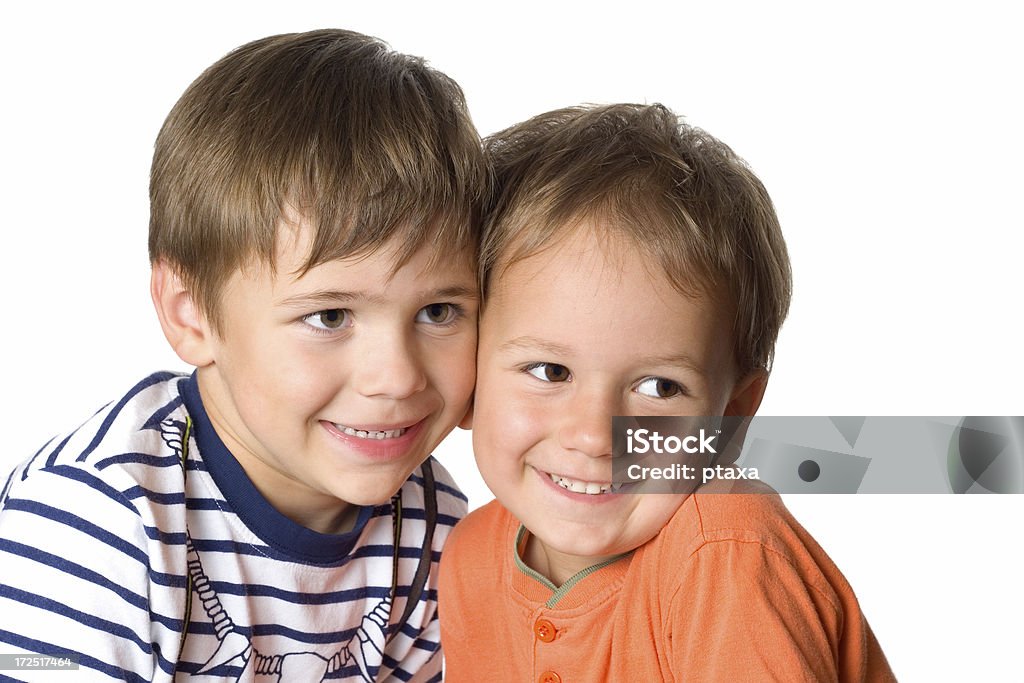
631 265
313 244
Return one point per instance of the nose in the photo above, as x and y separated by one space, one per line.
389 366
587 425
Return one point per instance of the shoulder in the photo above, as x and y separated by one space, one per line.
482 528
745 572
478 542
743 544
473 566
123 452
451 501
755 515
123 431
431 483
94 522
112 488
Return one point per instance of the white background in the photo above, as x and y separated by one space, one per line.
888 134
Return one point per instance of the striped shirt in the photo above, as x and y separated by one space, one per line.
112 542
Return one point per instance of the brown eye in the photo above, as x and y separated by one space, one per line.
436 313
659 387
331 319
550 372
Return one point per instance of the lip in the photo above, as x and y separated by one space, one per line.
582 498
382 450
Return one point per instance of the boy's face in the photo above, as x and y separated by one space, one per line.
330 388
569 338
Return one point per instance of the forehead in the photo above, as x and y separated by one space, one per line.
587 258
590 276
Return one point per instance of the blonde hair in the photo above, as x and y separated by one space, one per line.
675 191
362 142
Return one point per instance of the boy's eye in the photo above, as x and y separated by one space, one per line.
549 372
331 319
659 387
437 314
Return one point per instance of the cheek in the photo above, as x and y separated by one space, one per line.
290 381
453 372
527 420
505 424
304 374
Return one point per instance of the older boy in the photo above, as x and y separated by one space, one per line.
632 265
313 245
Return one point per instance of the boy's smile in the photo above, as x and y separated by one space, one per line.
582 331
332 386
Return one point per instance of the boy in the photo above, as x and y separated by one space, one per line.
631 265
313 244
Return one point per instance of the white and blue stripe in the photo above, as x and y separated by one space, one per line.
95 557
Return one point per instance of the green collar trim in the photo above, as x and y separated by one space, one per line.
558 592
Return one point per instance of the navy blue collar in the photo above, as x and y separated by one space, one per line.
252 508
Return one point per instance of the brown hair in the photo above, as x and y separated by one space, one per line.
363 142
673 190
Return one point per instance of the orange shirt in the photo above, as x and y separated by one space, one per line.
732 589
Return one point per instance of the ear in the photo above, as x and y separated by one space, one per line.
747 394
184 325
467 420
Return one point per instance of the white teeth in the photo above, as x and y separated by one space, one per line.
390 434
591 488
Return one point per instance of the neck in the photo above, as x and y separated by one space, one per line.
555 566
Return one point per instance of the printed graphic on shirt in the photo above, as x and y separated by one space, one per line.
235 648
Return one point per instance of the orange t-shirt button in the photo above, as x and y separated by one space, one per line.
544 630
550 677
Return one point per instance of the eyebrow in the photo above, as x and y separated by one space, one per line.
680 360
530 343
327 297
